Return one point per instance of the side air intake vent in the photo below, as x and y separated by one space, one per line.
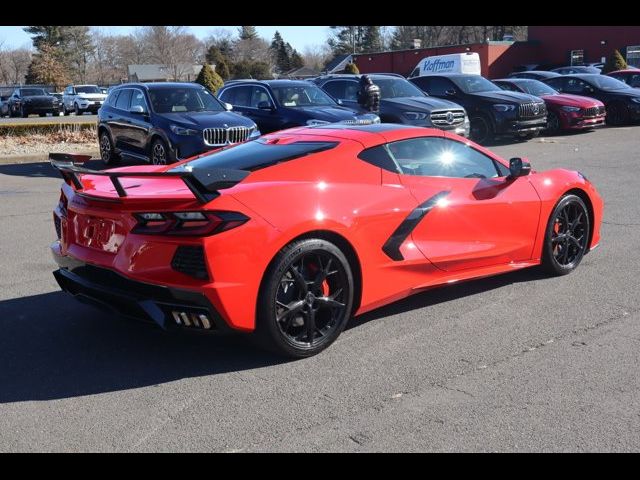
190 261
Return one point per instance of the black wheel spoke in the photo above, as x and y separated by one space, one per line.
290 310
575 241
576 221
310 324
300 281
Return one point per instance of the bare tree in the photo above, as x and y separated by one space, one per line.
173 46
14 64
316 56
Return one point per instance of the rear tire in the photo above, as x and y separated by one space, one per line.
305 299
566 236
107 151
160 153
76 109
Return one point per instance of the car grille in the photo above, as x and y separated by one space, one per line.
593 111
447 118
225 136
532 110
190 261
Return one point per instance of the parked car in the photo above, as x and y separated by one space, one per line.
59 96
492 111
630 76
4 105
572 70
534 74
621 101
166 122
400 102
564 111
290 235
278 104
82 98
27 100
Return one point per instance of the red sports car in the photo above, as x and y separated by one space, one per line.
564 111
293 233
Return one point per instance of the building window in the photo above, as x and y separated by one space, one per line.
633 56
577 57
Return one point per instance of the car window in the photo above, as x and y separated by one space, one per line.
111 99
137 99
123 99
259 94
634 80
575 85
440 157
557 83
237 96
508 86
438 86
342 89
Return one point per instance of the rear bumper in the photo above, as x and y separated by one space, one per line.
166 306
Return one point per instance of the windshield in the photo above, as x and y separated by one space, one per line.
397 88
88 89
474 84
302 96
31 92
172 100
537 88
605 82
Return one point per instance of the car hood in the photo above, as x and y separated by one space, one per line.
329 114
632 92
565 99
419 103
513 97
208 119
38 98
92 96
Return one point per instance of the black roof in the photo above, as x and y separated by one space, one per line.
544 73
373 128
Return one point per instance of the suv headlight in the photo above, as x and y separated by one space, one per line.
504 107
415 115
314 121
635 99
571 109
254 132
178 130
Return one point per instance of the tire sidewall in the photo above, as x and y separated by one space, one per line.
548 260
556 127
267 329
480 118
112 156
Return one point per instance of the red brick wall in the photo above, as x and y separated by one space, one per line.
556 42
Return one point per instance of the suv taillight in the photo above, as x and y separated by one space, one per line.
187 223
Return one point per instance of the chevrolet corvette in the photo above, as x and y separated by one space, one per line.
290 235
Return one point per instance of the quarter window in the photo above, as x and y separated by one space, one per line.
123 99
439 157
237 96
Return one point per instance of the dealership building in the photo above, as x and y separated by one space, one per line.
546 47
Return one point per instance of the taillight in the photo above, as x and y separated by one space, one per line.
187 223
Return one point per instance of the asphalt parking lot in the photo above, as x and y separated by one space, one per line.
519 362
84 118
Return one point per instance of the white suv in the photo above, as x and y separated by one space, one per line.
82 98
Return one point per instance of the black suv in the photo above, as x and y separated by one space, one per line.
279 104
27 100
621 101
492 111
400 102
167 122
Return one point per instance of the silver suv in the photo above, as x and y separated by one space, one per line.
82 98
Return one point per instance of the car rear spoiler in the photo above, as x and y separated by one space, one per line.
204 183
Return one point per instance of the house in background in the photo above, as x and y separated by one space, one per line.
337 64
182 72
301 73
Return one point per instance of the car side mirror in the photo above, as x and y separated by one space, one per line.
518 167
137 109
264 105
451 92
227 106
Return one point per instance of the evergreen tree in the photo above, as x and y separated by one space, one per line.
249 69
280 53
216 57
296 60
346 39
351 68
247 33
614 62
371 40
209 79
53 36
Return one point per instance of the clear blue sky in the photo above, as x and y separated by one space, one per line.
298 37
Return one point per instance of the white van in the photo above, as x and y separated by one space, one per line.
468 62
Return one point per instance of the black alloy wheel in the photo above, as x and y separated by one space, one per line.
616 114
160 153
566 236
306 300
553 123
107 152
480 129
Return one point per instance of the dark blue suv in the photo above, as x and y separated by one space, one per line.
167 122
278 104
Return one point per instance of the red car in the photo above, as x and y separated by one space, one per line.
631 76
564 111
293 233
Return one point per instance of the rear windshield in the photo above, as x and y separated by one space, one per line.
256 154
